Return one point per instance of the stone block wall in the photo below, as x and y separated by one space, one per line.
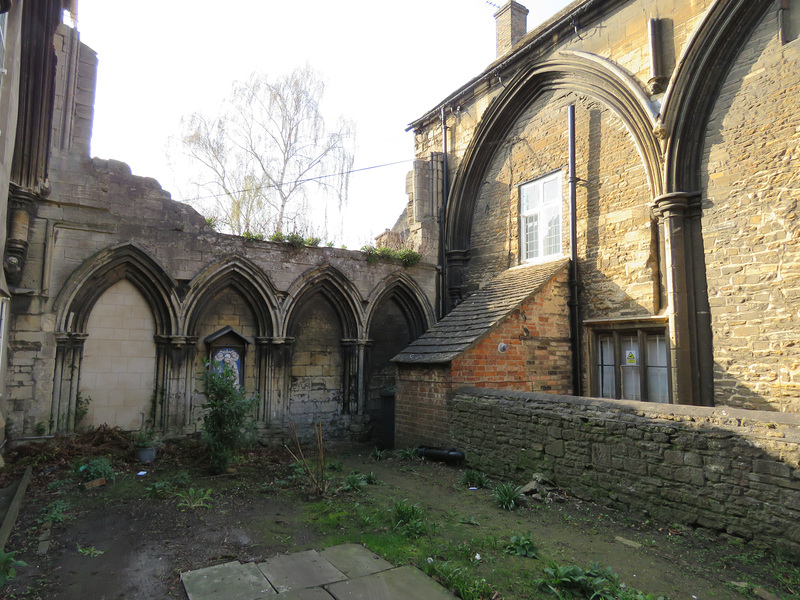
118 371
750 223
724 470
616 244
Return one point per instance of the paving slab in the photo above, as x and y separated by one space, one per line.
306 594
300 570
402 583
232 581
354 560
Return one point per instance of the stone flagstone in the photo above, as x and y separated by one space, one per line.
402 583
355 560
300 570
231 581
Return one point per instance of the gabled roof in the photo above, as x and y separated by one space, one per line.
478 314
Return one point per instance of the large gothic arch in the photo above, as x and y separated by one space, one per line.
125 261
579 72
73 307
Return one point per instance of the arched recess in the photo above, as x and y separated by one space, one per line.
232 292
692 92
579 72
398 313
695 86
324 355
74 306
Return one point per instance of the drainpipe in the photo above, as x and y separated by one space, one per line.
574 276
444 289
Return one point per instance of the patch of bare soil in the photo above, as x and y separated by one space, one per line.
131 539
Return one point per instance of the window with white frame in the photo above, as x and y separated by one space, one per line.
540 218
632 365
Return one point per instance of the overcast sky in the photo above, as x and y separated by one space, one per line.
384 64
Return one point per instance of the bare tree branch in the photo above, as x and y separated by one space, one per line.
262 155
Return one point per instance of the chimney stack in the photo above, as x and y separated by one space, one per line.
512 25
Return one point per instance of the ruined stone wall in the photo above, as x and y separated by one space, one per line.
724 470
96 208
750 223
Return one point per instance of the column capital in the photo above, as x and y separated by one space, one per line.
675 204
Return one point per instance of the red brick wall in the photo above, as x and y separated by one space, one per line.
536 361
421 416
539 361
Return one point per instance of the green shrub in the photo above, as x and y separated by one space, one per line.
226 409
95 469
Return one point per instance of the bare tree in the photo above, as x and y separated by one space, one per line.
260 158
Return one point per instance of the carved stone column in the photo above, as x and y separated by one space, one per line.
174 386
66 381
263 363
672 210
280 379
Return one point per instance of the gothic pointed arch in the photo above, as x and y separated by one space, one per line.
246 278
336 289
126 261
579 72
403 290
695 86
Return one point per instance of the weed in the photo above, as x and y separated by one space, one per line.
354 482
94 469
334 466
508 496
81 407
226 410
407 518
408 454
194 498
571 581
378 454
407 256
521 545
180 477
40 428
89 551
160 489
477 479
253 237
460 580
8 566
57 485
372 479
314 471
469 521
55 513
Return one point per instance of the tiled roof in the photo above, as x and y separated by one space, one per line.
479 313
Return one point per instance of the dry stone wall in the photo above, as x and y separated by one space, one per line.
723 470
